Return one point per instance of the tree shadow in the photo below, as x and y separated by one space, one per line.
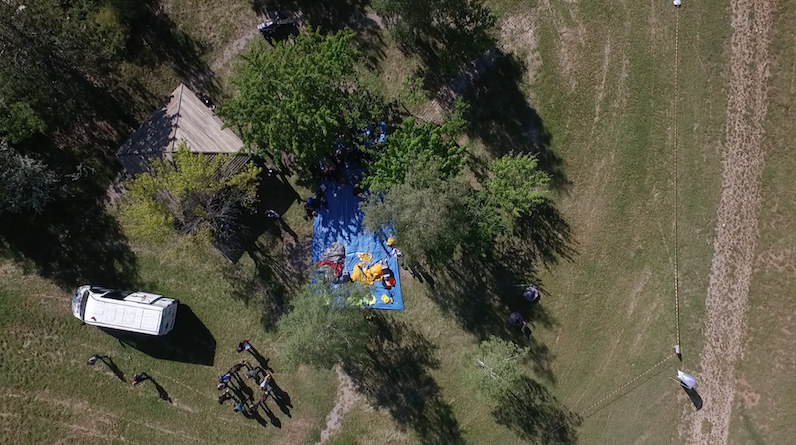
395 377
156 40
329 15
189 342
445 35
90 107
501 117
481 291
240 231
532 413
73 241
278 272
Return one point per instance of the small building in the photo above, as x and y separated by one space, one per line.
182 117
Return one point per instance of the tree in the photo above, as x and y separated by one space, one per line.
26 185
497 367
299 96
429 210
429 141
326 327
523 405
56 54
516 186
193 192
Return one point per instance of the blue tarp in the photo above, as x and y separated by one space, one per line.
342 222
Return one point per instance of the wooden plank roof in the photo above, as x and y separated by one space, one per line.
181 117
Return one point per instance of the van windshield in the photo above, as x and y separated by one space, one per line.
79 304
117 295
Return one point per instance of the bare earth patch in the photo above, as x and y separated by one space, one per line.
737 226
346 397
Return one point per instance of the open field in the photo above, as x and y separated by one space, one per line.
595 87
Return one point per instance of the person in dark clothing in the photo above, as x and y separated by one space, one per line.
313 204
254 374
140 377
259 401
238 366
94 358
243 346
224 397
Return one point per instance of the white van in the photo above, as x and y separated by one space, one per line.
140 312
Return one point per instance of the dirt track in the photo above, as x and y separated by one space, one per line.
736 226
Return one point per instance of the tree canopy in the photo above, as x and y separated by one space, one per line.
25 183
417 185
193 192
498 367
429 141
323 329
299 96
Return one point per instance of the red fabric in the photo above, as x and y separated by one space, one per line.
338 268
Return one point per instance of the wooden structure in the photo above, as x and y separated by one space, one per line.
182 117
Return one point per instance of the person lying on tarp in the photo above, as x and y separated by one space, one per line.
313 204
388 278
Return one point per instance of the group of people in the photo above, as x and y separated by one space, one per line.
232 380
531 294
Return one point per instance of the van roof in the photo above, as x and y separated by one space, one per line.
139 311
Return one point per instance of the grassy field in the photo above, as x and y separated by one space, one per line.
594 86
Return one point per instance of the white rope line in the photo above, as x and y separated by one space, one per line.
676 197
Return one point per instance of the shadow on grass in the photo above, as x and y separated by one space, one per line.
190 341
396 378
329 15
532 413
501 117
156 40
108 361
280 257
162 393
444 35
75 241
279 271
481 292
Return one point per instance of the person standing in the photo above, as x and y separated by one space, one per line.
224 397
237 367
239 408
140 377
93 360
243 346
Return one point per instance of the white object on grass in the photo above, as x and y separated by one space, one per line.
686 379
676 2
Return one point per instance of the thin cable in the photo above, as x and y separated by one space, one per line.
676 197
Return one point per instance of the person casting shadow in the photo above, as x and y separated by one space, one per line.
108 361
161 391
114 369
281 398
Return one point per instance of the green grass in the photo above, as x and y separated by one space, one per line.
46 379
603 87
